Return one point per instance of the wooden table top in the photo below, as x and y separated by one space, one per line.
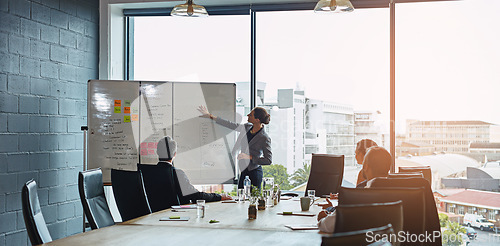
234 228
234 216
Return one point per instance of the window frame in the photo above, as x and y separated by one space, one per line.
252 9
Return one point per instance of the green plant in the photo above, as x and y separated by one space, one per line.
300 176
452 233
279 173
255 194
443 219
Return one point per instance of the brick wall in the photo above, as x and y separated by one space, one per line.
48 51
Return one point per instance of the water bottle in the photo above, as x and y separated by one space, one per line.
246 185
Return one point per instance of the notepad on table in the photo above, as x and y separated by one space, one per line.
174 218
190 206
296 213
302 227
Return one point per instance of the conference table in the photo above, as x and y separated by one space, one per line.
233 227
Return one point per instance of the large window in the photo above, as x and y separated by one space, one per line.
326 80
215 49
447 82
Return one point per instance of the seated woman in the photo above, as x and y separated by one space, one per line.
361 147
377 163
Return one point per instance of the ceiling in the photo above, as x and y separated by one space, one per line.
132 4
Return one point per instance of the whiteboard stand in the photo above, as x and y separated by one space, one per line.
84 129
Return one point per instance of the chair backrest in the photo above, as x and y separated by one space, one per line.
431 215
425 170
405 175
129 193
32 213
348 217
93 200
413 203
327 172
160 186
357 238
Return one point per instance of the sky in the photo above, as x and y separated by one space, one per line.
447 56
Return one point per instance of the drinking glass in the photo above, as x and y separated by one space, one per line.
200 208
269 198
241 195
311 194
269 184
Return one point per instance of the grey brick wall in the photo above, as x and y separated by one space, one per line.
48 51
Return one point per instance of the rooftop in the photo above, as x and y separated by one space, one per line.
485 145
448 192
451 123
444 165
482 199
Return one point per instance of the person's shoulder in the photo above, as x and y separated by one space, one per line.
264 133
362 184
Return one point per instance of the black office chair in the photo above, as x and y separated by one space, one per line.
425 170
160 186
364 216
94 202
327 172
129 193
405 175
357 238
413 203
431 214
33 217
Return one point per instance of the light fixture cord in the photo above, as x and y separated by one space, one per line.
333 5
190 10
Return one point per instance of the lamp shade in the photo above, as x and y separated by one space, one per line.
189 9
333 6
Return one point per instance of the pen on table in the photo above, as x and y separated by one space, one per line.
173 210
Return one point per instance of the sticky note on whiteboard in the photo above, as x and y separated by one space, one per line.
135 117
126 110
118 103
126 118
127 103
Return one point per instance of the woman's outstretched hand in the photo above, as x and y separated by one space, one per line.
204 112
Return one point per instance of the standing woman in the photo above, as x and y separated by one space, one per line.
253 143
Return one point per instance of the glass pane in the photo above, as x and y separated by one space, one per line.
214 49
325 80
447 85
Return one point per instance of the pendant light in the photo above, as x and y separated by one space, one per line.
189 9
333 6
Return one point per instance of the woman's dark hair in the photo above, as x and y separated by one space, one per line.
262 115
365 144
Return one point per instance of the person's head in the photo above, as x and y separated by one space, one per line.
259 116
361 148
166 149
377 163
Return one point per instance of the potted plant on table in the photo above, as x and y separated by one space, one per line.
255 194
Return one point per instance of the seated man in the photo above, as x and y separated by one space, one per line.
377 163
167 150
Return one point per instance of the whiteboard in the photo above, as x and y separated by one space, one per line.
127 118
